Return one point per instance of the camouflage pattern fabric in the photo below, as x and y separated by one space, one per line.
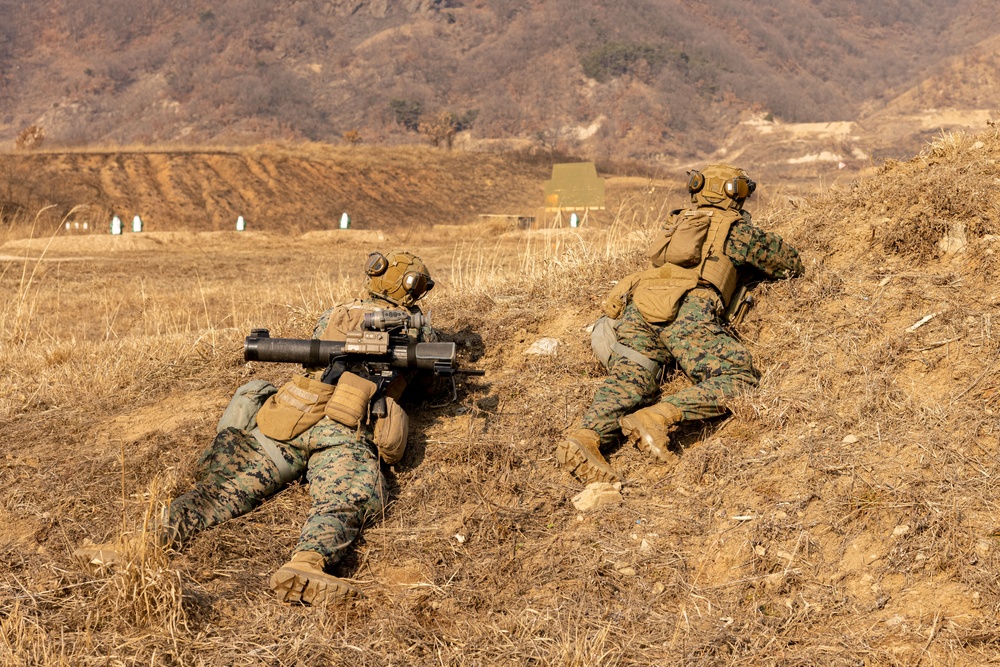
719 365
751 248
234 475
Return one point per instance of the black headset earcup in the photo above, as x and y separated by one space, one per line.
376 264
696 181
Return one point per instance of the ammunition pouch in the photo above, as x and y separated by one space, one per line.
297 406
739 306
391 432
349 403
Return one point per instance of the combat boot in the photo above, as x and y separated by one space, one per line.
649 429
302 579
103 559
98 558
581 453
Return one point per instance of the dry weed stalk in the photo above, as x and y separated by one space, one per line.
18 312
141 588
554 262
23 641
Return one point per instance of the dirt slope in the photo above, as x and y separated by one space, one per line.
844 515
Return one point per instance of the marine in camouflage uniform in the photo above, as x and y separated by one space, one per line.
236 473
719 366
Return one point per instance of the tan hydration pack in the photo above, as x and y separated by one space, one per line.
689 251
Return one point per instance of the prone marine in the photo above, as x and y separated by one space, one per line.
330 424
674 313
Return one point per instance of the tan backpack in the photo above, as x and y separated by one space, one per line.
689 250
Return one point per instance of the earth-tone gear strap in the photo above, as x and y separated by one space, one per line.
716 268
604 341
637 357
273 453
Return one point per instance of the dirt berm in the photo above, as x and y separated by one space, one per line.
273 188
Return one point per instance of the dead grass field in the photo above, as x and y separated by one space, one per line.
846 514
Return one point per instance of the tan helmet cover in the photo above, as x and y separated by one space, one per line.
404 281
721 186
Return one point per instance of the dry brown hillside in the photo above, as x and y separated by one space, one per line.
845 514
657 79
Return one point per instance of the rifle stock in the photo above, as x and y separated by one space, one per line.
740 304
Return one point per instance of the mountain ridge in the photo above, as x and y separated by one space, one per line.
654 81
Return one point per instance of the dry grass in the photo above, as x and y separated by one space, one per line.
844 515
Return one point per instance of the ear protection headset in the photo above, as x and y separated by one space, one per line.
737 188
376 264
696 181
414 283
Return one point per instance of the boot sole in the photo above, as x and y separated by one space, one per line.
582 465
292 584
641 438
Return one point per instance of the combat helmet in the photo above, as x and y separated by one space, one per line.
399 277
721 186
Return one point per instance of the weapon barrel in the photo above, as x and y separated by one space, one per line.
314 353
309 352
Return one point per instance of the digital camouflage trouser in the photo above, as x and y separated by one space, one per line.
235 475
718 364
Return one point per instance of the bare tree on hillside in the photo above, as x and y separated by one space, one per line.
440 128
30 138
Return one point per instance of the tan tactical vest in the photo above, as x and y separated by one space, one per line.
687 253
303 401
